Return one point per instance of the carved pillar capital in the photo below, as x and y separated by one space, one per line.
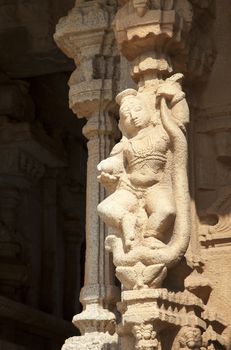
162 37
82 30
85 35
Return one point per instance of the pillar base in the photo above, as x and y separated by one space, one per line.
149 315
93 341
97 326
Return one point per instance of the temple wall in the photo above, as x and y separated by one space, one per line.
212 123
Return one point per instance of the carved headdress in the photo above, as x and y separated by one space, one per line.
126 93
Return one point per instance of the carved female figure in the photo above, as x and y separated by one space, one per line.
142 208
142 155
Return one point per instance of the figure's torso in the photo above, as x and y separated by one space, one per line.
146 156
148 151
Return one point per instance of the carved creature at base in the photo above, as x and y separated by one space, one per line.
146 171
188 338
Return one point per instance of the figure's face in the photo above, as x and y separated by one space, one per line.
134 115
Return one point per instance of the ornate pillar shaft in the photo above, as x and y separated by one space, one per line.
98 133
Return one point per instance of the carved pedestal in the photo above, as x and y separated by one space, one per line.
149 315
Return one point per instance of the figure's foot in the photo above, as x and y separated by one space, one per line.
153 243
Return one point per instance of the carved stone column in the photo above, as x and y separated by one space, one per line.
149 207
86 36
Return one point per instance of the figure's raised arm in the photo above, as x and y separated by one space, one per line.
172 92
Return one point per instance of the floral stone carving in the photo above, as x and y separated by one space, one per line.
146 172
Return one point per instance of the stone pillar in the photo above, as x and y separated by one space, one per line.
149 209
86 36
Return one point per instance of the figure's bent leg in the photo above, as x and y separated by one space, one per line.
161 216
128 227
117 211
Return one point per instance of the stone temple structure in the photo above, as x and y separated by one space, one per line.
115 175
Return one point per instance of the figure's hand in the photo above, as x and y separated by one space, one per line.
108 181
107 178
167 90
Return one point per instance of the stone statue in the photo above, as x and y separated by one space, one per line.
146 171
